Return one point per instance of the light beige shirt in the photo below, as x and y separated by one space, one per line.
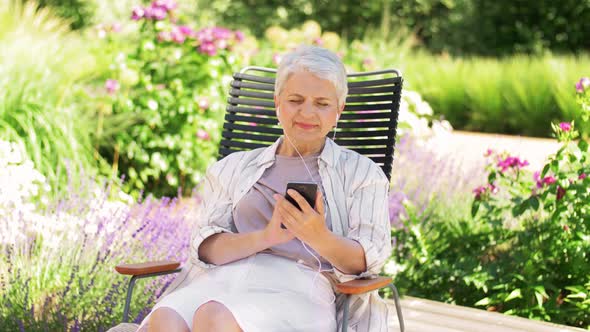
357 197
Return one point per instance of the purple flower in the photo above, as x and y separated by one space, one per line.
138 13
582 84
488 153
202 134
565 126
112 86
208 48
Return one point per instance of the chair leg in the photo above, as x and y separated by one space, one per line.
345 314
128 299
398 307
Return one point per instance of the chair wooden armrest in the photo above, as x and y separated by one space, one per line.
360 286
147 267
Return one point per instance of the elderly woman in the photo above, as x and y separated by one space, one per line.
246 272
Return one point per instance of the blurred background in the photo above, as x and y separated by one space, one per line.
110 113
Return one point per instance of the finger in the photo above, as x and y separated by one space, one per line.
288 210
300 200
319 202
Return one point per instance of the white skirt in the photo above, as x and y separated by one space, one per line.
264 292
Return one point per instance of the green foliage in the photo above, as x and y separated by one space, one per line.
78 13
514 95
175 91
41 66
454 26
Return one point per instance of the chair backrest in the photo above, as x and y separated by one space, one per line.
368 124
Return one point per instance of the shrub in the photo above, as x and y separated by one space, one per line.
174 83
524 249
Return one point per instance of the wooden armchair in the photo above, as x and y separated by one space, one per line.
368 126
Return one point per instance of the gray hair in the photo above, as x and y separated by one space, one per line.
317 61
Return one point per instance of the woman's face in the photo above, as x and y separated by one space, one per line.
308 107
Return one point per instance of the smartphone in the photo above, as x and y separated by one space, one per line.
306 189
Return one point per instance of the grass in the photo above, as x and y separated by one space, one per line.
41 65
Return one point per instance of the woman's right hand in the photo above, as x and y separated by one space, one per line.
273 233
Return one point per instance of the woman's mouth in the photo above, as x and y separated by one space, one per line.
305 125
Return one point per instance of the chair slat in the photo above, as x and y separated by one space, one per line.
249 110
250 128
254 78
249 93
368 124
380 82
249 136
251 102
254 86
258 120
369 107
244 145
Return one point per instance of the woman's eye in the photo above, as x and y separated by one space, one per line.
323 104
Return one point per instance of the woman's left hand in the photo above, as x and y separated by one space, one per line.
308 225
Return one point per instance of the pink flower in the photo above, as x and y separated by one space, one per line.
187 31
582 176
484 190
138 13
513 162
565 126
202 134
203 103
164 36
549 180
566 228
208 48
221 44
582 84
177 35
560 193
318 41
156 13
112 86
116 27
276 58
167 5
239 35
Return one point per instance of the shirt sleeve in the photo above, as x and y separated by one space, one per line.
215 214
369 223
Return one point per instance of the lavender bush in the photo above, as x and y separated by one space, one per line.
57 265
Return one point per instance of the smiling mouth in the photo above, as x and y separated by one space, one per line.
305 126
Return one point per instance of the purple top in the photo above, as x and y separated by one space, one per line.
254 211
